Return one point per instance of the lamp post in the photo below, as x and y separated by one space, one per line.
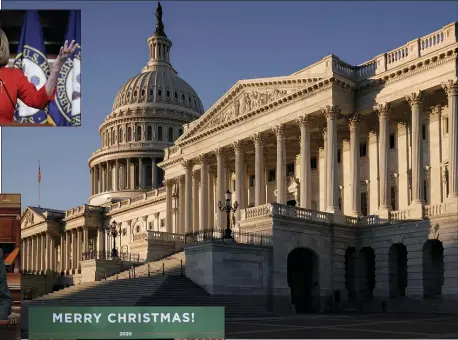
114 232
228 208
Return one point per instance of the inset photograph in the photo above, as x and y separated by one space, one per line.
10 266
40 63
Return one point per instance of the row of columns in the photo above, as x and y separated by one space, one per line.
118 175
40 251
331 165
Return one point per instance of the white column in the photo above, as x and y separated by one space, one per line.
239 177
128 174
414 101
169 208
25 251
108 183
101 242
451 89
259 178
384 207
221 182
195 200
116 176
79 243
68 268
279 131
48 252
74 252
85 239
62 253
40 250
188 196
154 173
331 113
140 173
211 197
99 179
182 205
305 168
355 165
53 266
203 218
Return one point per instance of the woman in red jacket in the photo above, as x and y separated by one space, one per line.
14 84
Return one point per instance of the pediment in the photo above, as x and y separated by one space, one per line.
244 97
31 217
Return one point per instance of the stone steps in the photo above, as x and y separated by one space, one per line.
181 291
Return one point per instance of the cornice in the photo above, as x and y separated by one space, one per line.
170 162
407 70
141 147
113 211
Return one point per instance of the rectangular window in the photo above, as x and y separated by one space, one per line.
162 222
233 185
272 175
445 125
290 169
124 232
252 178
362 150
393 198
313 163
423 131
364 203
392 141
338 156
150 225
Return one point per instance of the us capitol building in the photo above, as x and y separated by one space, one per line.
352 170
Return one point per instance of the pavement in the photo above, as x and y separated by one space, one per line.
345 326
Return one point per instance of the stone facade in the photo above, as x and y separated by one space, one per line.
345 161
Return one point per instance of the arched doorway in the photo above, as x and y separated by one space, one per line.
433 268
351 258
302 268
397 261
367 272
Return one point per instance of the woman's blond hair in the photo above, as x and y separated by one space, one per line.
4 49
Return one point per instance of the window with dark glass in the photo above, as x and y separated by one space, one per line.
290 169
170 134
168 93
176 95
234 188
149 133
139 133
182 97
129 134
272 175
313 163
159 133
392 141
252 181
423 131
362 150
159 93
338 156
180 132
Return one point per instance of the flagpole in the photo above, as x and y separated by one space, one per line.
39 183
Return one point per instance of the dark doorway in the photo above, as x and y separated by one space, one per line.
367 272
303 279
433 268
292 203
351 272
397 261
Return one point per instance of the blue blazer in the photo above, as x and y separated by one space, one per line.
6 300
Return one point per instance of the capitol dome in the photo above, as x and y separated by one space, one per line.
158 85
148 115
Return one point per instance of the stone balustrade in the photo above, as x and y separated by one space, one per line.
399 215
433 210
140 237
164 236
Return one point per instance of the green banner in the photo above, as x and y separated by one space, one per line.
125 322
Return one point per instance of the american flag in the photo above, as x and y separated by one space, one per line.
39 173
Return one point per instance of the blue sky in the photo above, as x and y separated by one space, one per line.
214 45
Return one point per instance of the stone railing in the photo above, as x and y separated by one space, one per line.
85 208
256 212
433 210
140 237
140 198
399 215
164 236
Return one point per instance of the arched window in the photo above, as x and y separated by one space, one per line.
139 133
108 138
113 138
170 134
138 229
149 133
129 134
159 133
120 135
180 132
